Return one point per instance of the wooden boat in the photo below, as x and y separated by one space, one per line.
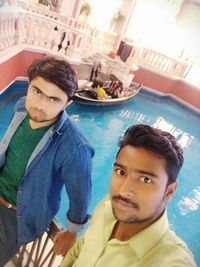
86 97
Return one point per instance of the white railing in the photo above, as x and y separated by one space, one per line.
98 38
7 30
47 30
39 253
158 62
38 31
34 25
42 10
34 29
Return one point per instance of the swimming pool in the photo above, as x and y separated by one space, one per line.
103 126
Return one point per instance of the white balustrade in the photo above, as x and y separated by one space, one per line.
49 37
158 62
39 27
21 34
29 28
96 40
56 40
7 30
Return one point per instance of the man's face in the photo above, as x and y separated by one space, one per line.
139 190
44 101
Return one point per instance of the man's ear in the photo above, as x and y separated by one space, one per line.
171 188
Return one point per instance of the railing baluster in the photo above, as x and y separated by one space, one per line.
39 253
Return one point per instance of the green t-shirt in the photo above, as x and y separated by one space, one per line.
19 151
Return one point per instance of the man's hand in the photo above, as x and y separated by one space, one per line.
63 241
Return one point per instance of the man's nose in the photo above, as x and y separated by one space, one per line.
128 187
41 103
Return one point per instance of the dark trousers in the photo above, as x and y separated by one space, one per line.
8 235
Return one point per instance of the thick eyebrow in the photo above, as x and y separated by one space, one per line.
119 165
138 171
34 86
53 97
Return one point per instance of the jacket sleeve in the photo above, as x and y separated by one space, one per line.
73 254
76 174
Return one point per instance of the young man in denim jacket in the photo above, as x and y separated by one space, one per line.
41 151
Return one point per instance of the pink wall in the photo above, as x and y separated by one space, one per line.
168 85
17 66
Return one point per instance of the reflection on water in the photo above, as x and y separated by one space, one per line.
128 114
103 127
190 203
183 138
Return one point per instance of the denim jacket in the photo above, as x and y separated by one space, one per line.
62 157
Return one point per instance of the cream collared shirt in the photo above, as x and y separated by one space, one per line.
155 246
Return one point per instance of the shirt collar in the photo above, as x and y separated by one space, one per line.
149 237
145 240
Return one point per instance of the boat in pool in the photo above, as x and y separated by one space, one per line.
86 97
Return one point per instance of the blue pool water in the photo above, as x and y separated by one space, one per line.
103 126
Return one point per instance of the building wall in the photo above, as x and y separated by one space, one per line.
168 85
188 23
68 7
16 66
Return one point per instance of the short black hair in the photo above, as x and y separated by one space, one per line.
56 71
158 141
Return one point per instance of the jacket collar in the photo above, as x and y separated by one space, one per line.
57 127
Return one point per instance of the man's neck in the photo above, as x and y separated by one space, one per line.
124 231
36 125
